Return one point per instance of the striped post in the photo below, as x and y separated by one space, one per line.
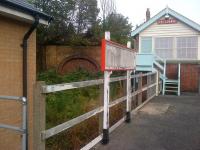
105 139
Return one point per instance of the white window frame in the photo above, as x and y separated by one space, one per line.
187 46
170 48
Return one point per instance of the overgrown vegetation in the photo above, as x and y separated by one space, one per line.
51 76
63 106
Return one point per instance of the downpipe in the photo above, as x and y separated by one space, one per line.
25 66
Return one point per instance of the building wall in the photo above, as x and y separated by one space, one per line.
11 35
190 70
178 29
190 76
169 30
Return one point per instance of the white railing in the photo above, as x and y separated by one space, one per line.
151 86
161 64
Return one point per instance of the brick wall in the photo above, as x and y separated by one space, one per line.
11 35
56 54
189 76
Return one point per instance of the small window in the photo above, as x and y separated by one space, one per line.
164 47
187 47
146 44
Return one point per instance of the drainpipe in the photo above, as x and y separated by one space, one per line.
25 66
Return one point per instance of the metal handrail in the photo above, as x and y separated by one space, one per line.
22 130
159 58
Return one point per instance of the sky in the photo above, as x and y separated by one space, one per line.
135 10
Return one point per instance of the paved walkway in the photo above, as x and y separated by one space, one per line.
165 123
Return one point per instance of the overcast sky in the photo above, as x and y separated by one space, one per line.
135 9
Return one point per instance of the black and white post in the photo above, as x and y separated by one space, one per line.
107 74
128 92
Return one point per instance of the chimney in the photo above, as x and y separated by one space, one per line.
148 15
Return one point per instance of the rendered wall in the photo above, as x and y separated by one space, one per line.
11 35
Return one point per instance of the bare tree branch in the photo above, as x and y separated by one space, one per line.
107 7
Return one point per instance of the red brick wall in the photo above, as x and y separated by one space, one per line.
172 71
56 55
189 76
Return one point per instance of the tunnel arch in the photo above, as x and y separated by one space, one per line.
75 62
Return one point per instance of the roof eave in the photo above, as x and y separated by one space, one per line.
185 20
10 9
20 15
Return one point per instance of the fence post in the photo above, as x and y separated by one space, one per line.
39 116
140 89
128 96
199 82
101 99
148 83
157 83
105 139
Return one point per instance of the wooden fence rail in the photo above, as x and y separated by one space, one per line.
152 87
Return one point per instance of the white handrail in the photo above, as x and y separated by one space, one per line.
159 58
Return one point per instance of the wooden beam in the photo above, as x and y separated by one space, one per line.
64 126
75 85
39 116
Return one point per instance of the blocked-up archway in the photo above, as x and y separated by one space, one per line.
75 62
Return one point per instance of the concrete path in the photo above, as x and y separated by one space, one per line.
165 123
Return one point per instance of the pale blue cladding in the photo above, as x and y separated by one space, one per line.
144 62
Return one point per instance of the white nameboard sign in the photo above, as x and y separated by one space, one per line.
117 57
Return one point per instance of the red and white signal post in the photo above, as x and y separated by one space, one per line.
115 57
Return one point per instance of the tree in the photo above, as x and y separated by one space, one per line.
119 27
87 12
61 29
107 7
72 18
76 22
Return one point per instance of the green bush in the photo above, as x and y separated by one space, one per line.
51 76
65 105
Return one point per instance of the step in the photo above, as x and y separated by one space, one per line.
171 91
171 87
171 81
163 77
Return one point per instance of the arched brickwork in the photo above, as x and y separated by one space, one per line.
72 63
